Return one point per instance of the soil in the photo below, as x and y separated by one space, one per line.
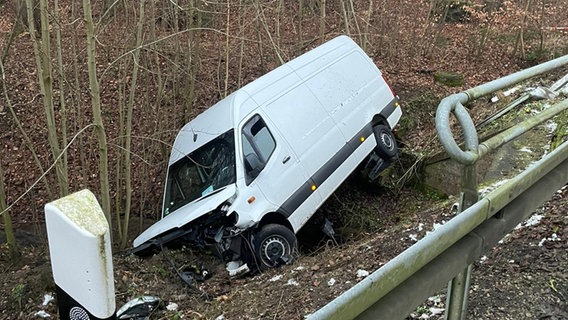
522 278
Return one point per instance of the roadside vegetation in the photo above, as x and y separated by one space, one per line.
93 92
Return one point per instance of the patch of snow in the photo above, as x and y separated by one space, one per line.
483 259
420 226
292 282
42 314
525 149
436 226
221 317
435 311
300 268
511 91
486 190
511 261
172 306
435 299
413 237
362 273
505 238
275 278
553 237
424 316
47 298
531 221
331 282
551 126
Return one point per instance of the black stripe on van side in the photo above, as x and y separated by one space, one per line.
389 109
302 193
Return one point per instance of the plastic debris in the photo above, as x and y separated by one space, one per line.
139 308
42 314
237 268
47 298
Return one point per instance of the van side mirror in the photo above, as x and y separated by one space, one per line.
253 165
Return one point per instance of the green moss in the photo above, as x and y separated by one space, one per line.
83 209
415 110
449 78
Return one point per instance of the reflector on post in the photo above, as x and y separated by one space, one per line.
81 260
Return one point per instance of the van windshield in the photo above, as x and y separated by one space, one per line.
209 168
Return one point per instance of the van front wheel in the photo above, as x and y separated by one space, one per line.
386 142
273 245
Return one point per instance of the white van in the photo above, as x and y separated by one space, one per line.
246 174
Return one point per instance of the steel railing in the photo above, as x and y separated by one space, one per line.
397 288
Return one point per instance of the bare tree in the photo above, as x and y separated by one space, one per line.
43 64
520 38
97 115
128 130
8 230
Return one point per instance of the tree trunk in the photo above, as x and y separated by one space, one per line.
10 239
97 116
227 49
128 133
43 64
62 82
322 22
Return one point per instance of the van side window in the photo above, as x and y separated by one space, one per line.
258 145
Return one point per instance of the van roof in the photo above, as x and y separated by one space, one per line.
220 117
208 125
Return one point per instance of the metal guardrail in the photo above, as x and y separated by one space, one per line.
397 288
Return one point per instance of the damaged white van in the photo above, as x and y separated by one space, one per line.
245 175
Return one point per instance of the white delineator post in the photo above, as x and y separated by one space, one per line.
81 260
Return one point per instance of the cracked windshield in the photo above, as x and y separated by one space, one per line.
203 171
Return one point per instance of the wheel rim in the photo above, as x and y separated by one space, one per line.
387 141
273 248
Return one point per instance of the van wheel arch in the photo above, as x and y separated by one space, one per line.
378 120
275 218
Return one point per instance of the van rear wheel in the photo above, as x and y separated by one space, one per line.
273 245
386 142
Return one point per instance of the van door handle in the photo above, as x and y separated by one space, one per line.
286 159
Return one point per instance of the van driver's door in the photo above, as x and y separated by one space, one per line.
272 167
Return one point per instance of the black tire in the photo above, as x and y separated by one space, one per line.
386 142
273 244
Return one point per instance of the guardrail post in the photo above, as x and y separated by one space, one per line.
458 287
